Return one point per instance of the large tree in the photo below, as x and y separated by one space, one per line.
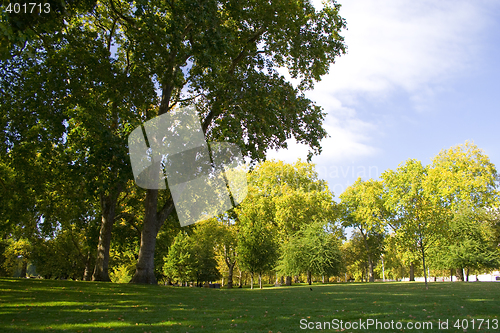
257 245
312 250
463 175
466 183
469 243
68 104
295 196
223 57
362 208
419 219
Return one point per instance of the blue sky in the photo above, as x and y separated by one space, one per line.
419 77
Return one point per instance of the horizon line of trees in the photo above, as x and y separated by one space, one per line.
443 217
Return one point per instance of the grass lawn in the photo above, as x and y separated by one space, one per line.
55 306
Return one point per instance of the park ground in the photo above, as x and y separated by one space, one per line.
31 305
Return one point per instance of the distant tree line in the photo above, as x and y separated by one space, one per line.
442 217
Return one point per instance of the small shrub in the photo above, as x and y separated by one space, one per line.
120 274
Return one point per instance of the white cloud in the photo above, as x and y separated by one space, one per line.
417 47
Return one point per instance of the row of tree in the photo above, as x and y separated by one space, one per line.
446 211
443 215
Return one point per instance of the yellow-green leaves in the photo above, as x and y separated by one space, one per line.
362 206
464 175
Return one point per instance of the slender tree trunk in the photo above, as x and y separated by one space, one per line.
467 274
145 267
251 280
309 277
460 274
87 274
412 272
451 275
239 278
260 280
282 280
108 206
230 262
230 276
368 257
425 272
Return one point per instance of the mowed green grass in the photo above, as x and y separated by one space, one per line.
67 306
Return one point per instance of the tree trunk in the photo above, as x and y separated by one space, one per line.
145 268
412 272
108 206
251 280
87 274
282 280
460 274
239 278
230 262
368 257
24 267
153 220
467 274
260 280
309 278
230 276
425 272
451 275
288 281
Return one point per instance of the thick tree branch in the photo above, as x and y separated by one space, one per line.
242 54
165 211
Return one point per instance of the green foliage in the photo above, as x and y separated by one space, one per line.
464 176
17 254
180 263
354 254
419 219
257 247
362 208
31 22
192 257
292 195
283 199
313 250
63 256
469 243
203 246
120 274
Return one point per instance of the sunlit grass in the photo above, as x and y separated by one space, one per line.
68 306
